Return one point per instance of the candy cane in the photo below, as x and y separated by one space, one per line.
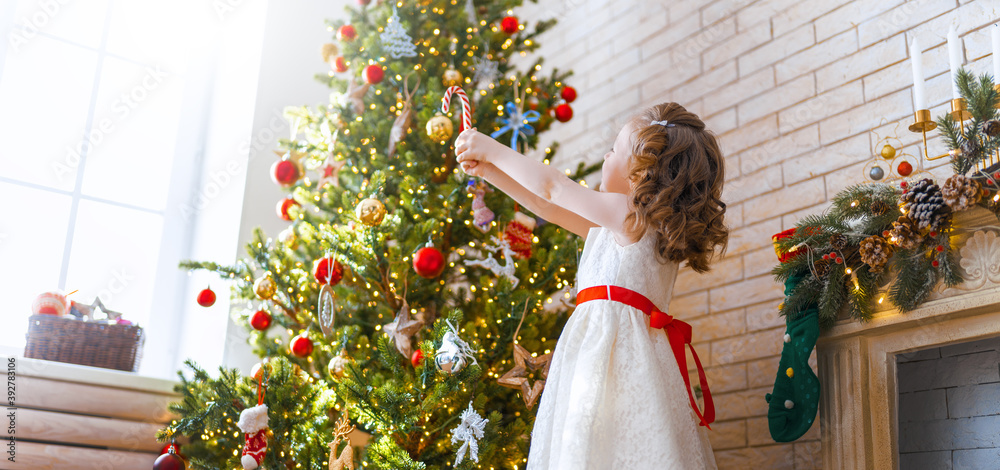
466 107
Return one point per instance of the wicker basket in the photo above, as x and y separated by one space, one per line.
74 341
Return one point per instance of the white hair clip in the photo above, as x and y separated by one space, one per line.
662 123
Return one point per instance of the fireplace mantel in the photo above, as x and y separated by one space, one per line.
857 364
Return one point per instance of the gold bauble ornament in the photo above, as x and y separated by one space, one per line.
440 128
452 77
888 152
329 51
338 364
289 238
370 212
265 288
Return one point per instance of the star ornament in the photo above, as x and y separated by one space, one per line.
517 377
330 172
401 329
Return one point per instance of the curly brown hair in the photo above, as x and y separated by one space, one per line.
676 174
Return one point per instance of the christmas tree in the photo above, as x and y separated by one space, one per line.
405 299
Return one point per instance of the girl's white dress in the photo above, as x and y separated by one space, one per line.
614 397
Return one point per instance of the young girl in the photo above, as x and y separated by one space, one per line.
615 396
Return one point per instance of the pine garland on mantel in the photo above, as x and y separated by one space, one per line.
893 241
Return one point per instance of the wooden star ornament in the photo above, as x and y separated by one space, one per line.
330 172
401 329
517 377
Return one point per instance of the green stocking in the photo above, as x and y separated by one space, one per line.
793 402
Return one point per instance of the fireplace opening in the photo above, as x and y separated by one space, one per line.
949 406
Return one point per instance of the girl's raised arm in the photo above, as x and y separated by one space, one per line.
547 184
540 207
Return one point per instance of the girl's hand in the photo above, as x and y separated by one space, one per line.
477 169
471 146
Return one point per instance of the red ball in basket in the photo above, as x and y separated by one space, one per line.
50 303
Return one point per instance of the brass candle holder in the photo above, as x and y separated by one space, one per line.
923 123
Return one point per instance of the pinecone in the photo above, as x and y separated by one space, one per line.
880 207
904 233
991 128
838 241
821 268
924 204
971 148
875 252
961 192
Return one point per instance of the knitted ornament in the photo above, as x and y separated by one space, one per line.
991 128
875 252
482 216
924 204
518 234
904 234
253 423
961 192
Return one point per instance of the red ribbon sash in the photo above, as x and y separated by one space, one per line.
678 334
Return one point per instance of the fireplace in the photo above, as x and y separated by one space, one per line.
949 406
871 373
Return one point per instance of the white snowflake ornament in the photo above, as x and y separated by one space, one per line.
470 430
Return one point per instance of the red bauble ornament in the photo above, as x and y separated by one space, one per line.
568 94
509 24
258 369
176 446
935 263
302 346
323 273
939 248
373 74
428 262
904 169
564 113
347 33
260 320
364 2
285 172
206 298
169 461
340 65
283 206
417 358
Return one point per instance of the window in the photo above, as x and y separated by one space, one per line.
103 110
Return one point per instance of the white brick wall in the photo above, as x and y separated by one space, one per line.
792 88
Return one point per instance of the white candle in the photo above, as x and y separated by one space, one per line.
996 54
917 60
955 58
